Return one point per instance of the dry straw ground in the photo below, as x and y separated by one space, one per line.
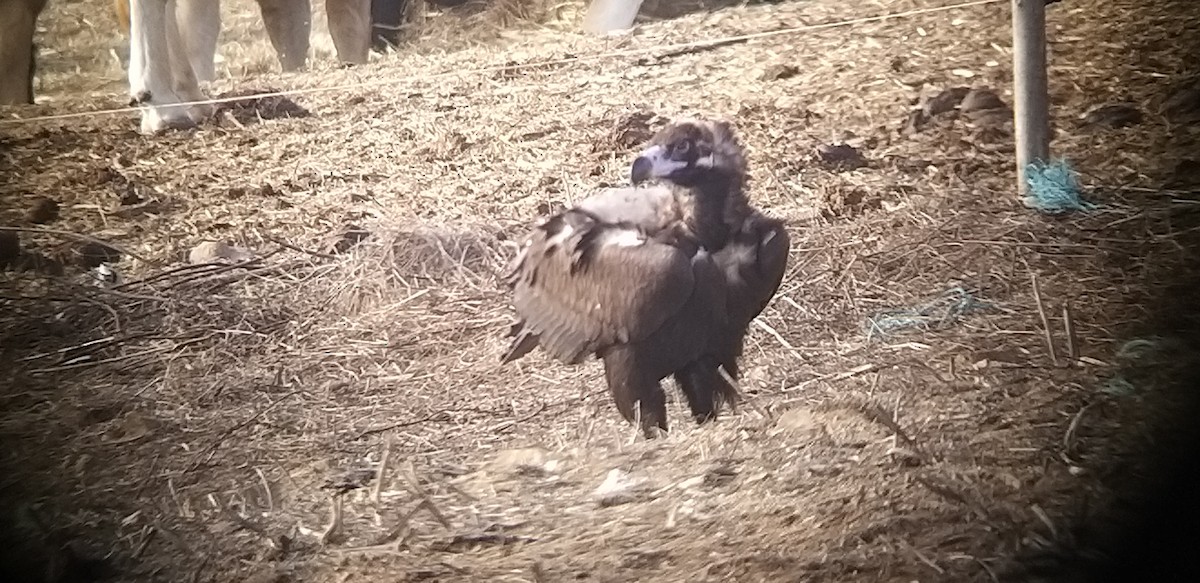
187 424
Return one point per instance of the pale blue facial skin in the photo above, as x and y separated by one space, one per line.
656 162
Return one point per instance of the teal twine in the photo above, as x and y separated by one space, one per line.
942 311
1118 387
1139 348
1053 188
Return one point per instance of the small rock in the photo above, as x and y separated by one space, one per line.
10 248
1113 116
780 71
981 99
217 251
42 211
91 254
945 101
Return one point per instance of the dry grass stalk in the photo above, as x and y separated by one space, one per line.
1046 330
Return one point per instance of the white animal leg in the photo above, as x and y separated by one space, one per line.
199 24
184 81
151 82
289 25
350 27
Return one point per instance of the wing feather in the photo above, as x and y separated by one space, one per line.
649 208
581 285
754 263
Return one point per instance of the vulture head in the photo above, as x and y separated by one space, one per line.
691 151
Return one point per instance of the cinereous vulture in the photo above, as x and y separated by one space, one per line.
661 278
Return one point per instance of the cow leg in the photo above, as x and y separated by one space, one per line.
386 18
153 63
630 385
18 18
185 81
350 27
199 25
121 13
289 24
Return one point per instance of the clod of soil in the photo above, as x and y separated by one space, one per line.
841 156
43 210
981 99
10 248
1113 116
945 101
630 131
777 72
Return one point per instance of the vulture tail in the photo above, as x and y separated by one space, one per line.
524 343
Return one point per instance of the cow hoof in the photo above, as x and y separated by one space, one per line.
161 118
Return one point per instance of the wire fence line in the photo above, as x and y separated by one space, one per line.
411 80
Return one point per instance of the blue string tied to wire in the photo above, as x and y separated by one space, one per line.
1053 188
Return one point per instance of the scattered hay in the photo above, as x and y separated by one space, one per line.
185 419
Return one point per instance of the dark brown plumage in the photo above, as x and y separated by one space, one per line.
658 279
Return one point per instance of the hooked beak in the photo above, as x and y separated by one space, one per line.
654 162
641 170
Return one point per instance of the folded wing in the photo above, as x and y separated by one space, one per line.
753 265
582 285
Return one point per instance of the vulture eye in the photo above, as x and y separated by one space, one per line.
681 148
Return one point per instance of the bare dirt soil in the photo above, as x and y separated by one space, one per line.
905 417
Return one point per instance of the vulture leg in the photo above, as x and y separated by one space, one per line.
629 384
705 389
696 382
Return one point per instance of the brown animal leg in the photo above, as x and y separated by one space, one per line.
17 21
386 18
289 24
350 27
628 386
121 13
